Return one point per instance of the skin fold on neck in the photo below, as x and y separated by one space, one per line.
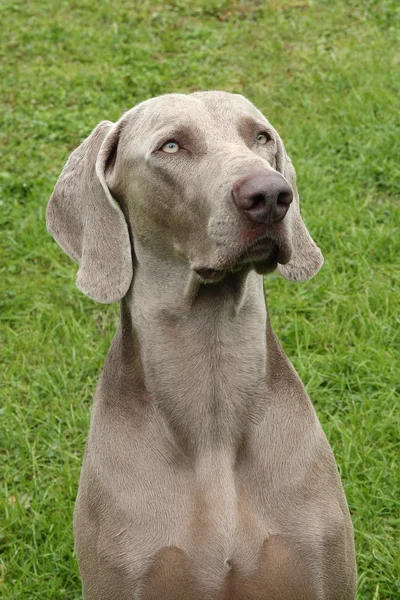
203 350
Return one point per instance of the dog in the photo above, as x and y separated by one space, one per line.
207 475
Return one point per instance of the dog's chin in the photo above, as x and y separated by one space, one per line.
263 256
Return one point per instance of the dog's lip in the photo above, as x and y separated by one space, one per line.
262 248
277 252
209 274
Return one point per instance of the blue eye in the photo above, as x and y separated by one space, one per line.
263 138
170 147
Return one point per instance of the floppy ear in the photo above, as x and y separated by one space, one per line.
87 223
306 259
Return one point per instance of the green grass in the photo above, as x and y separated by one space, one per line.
326 75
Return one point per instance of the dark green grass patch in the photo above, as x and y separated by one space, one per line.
326 75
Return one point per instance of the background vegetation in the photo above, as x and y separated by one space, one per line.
326 73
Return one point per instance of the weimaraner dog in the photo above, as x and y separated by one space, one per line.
207 475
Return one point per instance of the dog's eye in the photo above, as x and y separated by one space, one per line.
263 138
170 147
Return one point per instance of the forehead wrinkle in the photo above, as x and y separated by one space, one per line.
209 112
173 126
226 105
170 108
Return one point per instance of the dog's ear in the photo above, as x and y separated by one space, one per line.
306 259
87 223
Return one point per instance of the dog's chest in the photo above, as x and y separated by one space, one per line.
207 542
259 524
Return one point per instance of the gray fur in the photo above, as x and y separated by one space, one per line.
206 474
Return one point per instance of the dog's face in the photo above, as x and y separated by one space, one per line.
201 178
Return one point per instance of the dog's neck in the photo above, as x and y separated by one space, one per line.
202 350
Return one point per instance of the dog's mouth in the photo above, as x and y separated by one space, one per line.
263 255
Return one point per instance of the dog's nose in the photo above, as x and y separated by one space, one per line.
263 196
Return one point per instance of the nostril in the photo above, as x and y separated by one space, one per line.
285 198
257 201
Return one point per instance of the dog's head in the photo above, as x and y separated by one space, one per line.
202 179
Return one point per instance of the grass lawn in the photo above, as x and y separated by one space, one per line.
326 74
